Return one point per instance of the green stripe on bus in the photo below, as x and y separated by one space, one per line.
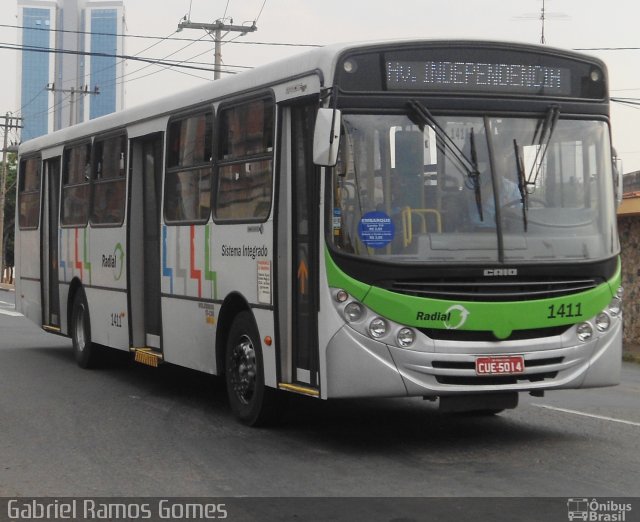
501 318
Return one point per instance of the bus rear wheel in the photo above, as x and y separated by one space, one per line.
84 350
251 401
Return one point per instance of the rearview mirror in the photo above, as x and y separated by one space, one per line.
326 137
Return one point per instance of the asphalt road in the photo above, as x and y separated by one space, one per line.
131 430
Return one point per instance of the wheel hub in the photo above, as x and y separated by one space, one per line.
243 369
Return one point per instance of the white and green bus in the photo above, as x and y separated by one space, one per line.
414 218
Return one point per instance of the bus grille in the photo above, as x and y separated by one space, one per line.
494 290
454 380
487 336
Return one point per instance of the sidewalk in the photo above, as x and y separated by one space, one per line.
7 287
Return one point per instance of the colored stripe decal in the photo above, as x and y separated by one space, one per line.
209 275
78 263
63 264
166 271
195 274
87 264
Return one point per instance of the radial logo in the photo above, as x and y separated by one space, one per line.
456 317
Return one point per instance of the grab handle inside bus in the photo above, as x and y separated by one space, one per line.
326 137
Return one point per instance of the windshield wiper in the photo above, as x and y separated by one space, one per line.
421 116
522 182
546 131
474 175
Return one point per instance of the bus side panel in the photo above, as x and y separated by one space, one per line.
265 322
243 253
201 265
188 334
105 267
107 255
108 313
243 256
74 263
28 291
188 287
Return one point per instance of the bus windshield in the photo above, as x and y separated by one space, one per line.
473 189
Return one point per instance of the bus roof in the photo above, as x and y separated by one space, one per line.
321 60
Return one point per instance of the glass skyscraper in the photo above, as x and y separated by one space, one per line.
103 73
35 70
56 90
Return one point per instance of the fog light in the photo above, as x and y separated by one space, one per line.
615 306
603 322
353 312
342 296
378 328
584 332
406 336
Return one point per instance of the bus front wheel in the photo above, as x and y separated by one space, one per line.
83 349
251 401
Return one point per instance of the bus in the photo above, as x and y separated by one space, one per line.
423 218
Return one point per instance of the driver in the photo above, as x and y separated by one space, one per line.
504 162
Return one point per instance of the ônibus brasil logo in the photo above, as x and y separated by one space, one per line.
453 317
596 510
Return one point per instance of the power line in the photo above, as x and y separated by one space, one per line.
260 13
154 61
606 49
173 38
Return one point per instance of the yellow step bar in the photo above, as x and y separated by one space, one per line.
51 328
147 356
304 390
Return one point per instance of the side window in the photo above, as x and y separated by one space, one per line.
245 162
76 175
187 193
109 186
29 194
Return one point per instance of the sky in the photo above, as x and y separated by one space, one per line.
570 24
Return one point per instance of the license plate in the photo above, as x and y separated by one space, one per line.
502 365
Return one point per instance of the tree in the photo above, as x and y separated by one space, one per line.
10 208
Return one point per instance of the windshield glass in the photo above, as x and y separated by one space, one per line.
427 193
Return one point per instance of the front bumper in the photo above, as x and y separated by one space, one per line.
358 366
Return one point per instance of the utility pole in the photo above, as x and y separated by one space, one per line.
84 90
10 122
215 30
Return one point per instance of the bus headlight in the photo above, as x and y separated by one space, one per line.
584 331
603 321
378 328
615 306
341 296
353 312
406 336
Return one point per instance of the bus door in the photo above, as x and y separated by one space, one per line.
300 266
49 245
144 247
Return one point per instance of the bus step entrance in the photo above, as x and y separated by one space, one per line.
147 356
295 388
51 328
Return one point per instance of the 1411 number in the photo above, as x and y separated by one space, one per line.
565 310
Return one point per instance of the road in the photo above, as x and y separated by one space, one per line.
131 430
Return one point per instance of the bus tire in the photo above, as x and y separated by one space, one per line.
84 350
251 401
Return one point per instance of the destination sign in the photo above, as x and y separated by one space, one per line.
474 76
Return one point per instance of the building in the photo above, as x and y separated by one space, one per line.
629 227
36 69
60 89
